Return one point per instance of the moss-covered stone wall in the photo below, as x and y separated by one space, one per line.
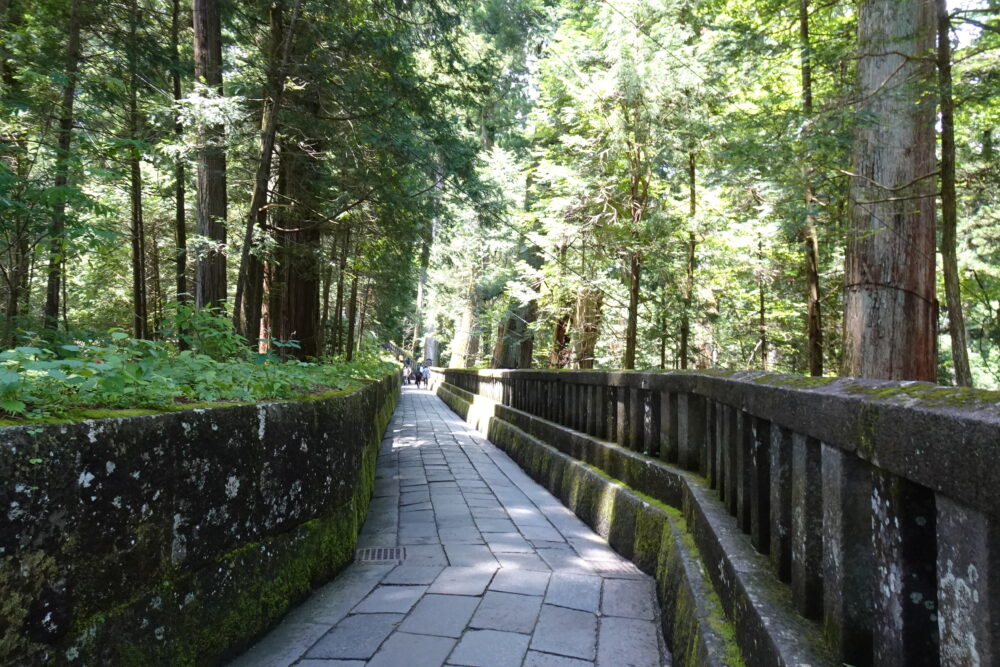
178 538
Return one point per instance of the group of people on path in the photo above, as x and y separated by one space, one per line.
422 373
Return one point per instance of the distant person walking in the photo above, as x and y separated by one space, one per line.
426 372
406 374
419 374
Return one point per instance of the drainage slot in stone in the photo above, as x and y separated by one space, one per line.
380 554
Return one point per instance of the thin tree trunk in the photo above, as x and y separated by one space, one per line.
526 349
587 321
632 326
466 342
324 319
153 284
890 311
949 206
364 313
496 361
663 330
249 286
560 341
180 213
425 260
338 309
57 230
19 243
814 319
140 307
297 275
761 308
352 312
689 264
210 275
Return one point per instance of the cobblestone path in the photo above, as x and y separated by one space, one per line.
496 570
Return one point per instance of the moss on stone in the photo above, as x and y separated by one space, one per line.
929 395
794 381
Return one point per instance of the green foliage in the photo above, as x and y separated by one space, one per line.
41 381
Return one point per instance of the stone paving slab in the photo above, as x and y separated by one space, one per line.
497 571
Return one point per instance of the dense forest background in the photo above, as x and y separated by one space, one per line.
620 183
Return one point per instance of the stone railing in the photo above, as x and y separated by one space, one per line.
175 539
875 503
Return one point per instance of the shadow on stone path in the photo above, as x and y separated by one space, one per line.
496 572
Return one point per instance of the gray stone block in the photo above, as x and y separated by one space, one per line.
426 554
575 591
566 631
490 648
443 615
413 651
507 611
629 598
531 561
536 659
462 581
470 555
413 575
390 600
521 582
356 637
628 642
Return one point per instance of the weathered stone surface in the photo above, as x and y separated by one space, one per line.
443 615
566 632
413 651
182 534
509 612
627 641
357 636
490 648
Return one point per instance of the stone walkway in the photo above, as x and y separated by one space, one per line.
496 571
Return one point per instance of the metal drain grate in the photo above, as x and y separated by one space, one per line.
380 554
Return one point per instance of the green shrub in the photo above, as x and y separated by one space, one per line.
42 380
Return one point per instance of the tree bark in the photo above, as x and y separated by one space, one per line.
689 265
180 213
949 205
632 325
558 358
762 308
338 309
466 342
249 285
324 316
296 280
140 314
352 312
210 274
586 322
425 260
57 229
19 244
814 317
361 319
890 309
526 348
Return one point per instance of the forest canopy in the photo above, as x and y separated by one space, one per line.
506 183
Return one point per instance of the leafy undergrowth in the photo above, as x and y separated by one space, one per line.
53 382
